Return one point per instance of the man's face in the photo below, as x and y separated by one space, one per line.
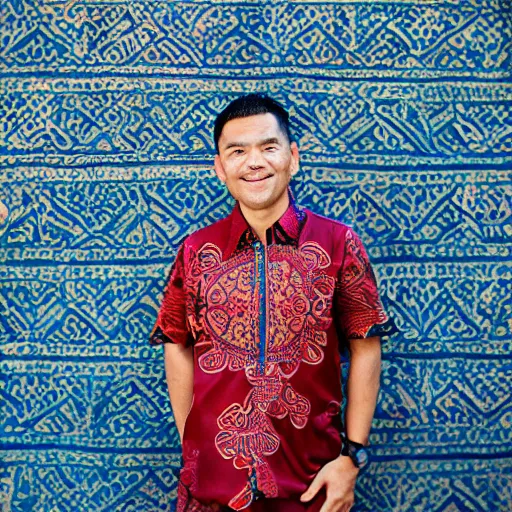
256 161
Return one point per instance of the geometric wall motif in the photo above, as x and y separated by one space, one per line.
117 119
403 115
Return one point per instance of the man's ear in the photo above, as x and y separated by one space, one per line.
219 169
295 158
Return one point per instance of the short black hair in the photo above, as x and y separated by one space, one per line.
251 105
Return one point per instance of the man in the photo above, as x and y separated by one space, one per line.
253 317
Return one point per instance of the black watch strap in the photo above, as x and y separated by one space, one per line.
347 443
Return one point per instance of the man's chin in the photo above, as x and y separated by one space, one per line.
258 202
256 205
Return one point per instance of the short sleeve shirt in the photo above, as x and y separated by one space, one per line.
265 321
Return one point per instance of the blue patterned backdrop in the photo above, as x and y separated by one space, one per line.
403 112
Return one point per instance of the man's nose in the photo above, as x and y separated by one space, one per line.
255 160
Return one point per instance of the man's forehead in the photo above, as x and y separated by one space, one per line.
252 128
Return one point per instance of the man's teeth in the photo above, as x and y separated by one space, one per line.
257 179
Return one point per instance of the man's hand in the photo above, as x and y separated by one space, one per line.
339 479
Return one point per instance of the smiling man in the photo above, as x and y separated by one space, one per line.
254 314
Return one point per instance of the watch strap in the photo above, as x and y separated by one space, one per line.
346 443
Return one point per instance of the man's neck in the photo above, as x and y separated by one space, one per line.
261 220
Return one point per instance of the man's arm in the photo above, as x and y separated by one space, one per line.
179 373
362 388
339 476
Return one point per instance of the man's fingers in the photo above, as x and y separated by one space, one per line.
331 506
336 505
326 507
313 488
347 507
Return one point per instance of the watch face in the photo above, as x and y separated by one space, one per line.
361 457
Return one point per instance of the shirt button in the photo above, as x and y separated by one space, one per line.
257 245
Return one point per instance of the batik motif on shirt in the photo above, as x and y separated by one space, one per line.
263 320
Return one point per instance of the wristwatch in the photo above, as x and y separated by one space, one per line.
356 451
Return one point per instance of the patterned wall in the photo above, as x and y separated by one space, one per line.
403 112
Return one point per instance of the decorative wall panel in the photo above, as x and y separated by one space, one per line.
403 113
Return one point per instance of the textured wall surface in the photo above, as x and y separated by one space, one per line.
403 112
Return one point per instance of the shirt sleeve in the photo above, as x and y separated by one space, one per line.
171 323
359 311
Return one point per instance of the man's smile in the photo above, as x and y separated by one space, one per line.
256 178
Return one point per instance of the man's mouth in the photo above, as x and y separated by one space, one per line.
256 179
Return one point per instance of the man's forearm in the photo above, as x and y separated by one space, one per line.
179 372
362 388
339 475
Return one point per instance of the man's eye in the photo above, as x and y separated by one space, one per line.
270 148
238 151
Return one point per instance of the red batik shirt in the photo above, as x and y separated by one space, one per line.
266 322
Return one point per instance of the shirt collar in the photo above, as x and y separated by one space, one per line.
285 231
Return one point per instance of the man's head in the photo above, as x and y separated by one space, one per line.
255 156
251 105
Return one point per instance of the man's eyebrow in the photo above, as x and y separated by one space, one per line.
235 145
270 140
